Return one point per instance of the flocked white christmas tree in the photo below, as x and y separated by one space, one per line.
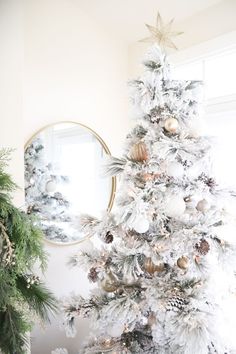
165 274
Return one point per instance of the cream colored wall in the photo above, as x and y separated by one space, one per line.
56 64
11 55
73 70
206 26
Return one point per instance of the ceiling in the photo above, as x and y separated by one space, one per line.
126 18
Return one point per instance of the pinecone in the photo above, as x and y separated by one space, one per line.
108 237
93 275
202 247
176 304
210 182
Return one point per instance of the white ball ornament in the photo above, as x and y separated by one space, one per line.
115 330
141 225
171 125
51 186
202 205
175 169
175 206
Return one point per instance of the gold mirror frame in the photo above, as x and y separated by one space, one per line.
113 182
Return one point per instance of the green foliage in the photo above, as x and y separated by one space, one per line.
13 329
20 248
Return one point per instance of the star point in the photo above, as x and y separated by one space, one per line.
161 33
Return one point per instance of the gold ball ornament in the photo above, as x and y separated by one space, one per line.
109 283
151 267
171 125
139 152
183 262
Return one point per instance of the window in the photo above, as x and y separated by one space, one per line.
218 72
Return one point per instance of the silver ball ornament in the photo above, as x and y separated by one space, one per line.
202 205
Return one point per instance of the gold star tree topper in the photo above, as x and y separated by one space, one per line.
161 33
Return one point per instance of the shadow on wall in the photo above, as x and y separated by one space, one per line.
47 338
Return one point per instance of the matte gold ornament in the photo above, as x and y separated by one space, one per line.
151 267
183 262
161 33
110 284
139 152
171 125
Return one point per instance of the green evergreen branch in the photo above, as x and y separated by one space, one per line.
13 330
38 297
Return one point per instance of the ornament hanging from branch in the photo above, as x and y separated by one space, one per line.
139 152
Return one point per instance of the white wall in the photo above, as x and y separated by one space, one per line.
11 55
216 21
56 65
73 70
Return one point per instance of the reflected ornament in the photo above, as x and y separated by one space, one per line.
171 125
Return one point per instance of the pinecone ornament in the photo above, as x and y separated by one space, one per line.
108 237
176 303
210 182
93 275
202 247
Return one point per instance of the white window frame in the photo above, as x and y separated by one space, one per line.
217 46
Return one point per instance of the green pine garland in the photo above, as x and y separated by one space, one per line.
22 295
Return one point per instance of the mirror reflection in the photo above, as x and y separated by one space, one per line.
63 179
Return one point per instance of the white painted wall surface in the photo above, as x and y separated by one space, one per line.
73 70
202 27
11 56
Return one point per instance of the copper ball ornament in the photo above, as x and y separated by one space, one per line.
171 125
151 267
183 262
139 152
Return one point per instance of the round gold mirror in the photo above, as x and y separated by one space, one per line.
64 178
